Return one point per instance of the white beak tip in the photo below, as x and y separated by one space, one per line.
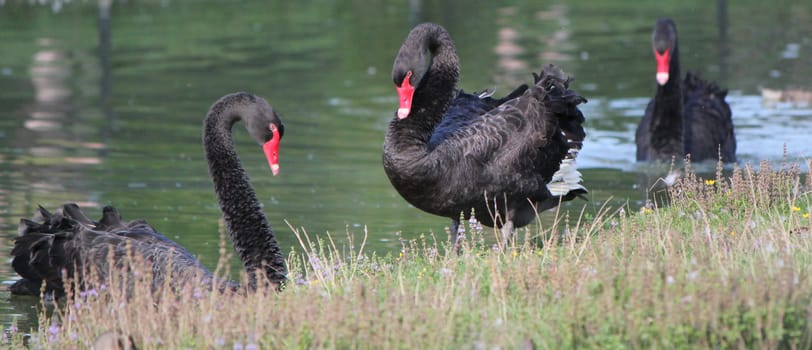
662 78
403 113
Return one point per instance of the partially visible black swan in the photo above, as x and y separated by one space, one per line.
67 244
689 117
447 152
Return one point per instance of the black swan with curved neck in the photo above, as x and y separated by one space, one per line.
685 117
448 152
71 242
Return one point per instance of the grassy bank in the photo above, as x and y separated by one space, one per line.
725 265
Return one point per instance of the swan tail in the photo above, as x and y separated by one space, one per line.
565 185
39 252
563 103
66 244
566 182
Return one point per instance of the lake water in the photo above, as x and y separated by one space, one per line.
105 105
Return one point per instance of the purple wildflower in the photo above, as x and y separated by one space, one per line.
53 329
301 280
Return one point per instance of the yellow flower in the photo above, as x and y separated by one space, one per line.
515 253
732 233
806 215
794 208
644 210
710 182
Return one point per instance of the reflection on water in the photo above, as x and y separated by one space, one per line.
51 109
762 131
104 104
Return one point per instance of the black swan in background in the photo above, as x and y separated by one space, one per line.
68 240
684 117
447 152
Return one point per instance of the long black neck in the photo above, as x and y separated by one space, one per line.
433 94
666 127
250 233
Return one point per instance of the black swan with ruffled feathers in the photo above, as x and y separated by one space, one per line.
448 152
67 245
685 117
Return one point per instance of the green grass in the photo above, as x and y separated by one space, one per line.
724 265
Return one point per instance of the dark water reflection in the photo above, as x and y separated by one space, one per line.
105 106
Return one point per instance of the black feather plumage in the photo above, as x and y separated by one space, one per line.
67 245
686 116
457 151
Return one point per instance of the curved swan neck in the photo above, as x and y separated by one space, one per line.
666 127
437 87
251 235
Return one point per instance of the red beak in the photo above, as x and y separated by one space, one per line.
271 149
405 94
663 61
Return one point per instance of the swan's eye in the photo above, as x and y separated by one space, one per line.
275 134
406 79
275 127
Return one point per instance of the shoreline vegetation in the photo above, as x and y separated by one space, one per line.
725 264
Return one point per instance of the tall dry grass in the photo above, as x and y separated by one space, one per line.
724 265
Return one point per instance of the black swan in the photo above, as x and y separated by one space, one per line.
448 152
689 117
67 244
